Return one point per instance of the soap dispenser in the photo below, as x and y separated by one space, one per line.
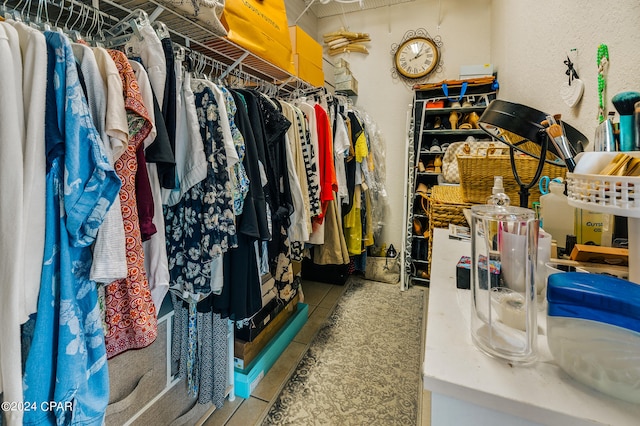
498 196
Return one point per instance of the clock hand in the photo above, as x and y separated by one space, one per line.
419 53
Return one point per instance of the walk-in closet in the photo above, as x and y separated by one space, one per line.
304 212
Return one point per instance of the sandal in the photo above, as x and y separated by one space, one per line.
437 164
417 226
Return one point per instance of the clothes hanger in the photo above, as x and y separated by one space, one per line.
73 33
66 29
137 18
55 25
161 30
134 21
99 38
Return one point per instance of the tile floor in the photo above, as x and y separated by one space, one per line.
321 298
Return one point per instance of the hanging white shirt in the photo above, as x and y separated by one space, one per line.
33 48
148 48
191 160
155 248
12 135
341 145
106 103
116 123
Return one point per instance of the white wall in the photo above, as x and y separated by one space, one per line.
465 32
530 41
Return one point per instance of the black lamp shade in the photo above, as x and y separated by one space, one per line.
524 122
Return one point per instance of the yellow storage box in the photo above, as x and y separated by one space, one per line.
262 28
307 56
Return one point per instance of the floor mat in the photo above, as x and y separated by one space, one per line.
363 367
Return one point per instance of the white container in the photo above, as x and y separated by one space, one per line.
593 331
556 214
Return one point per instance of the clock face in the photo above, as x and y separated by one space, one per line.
416 57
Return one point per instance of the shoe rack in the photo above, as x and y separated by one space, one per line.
436 122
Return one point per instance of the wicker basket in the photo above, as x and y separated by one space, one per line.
476 176
445 206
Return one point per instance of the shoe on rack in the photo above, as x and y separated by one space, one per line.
437 123
483 100
435 146
437 164
421 168
444 146
431 167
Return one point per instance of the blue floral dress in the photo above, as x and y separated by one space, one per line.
67 361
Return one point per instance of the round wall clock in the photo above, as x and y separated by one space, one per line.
416 57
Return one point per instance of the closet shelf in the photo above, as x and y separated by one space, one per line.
188 31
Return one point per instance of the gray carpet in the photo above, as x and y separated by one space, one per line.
363 367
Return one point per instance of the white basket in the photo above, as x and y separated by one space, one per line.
619 195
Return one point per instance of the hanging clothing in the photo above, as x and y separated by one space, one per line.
234 147
81 186
294 135
310 153
334 251
276 126
144 197
191 162
328 181
147 46
167 170
201 226
116 124
241 295
155 251
109 252
34 82
131 315
341 145
12 135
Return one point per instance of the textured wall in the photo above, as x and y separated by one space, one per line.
465 31
530 40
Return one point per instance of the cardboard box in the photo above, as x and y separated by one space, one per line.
246 380
268 287
308 71
260 320
246 351
597 254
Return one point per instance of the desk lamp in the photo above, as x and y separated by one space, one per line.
521 128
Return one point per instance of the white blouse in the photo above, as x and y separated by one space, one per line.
109 250
34 85
12 135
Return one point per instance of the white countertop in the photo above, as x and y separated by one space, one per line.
454 367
